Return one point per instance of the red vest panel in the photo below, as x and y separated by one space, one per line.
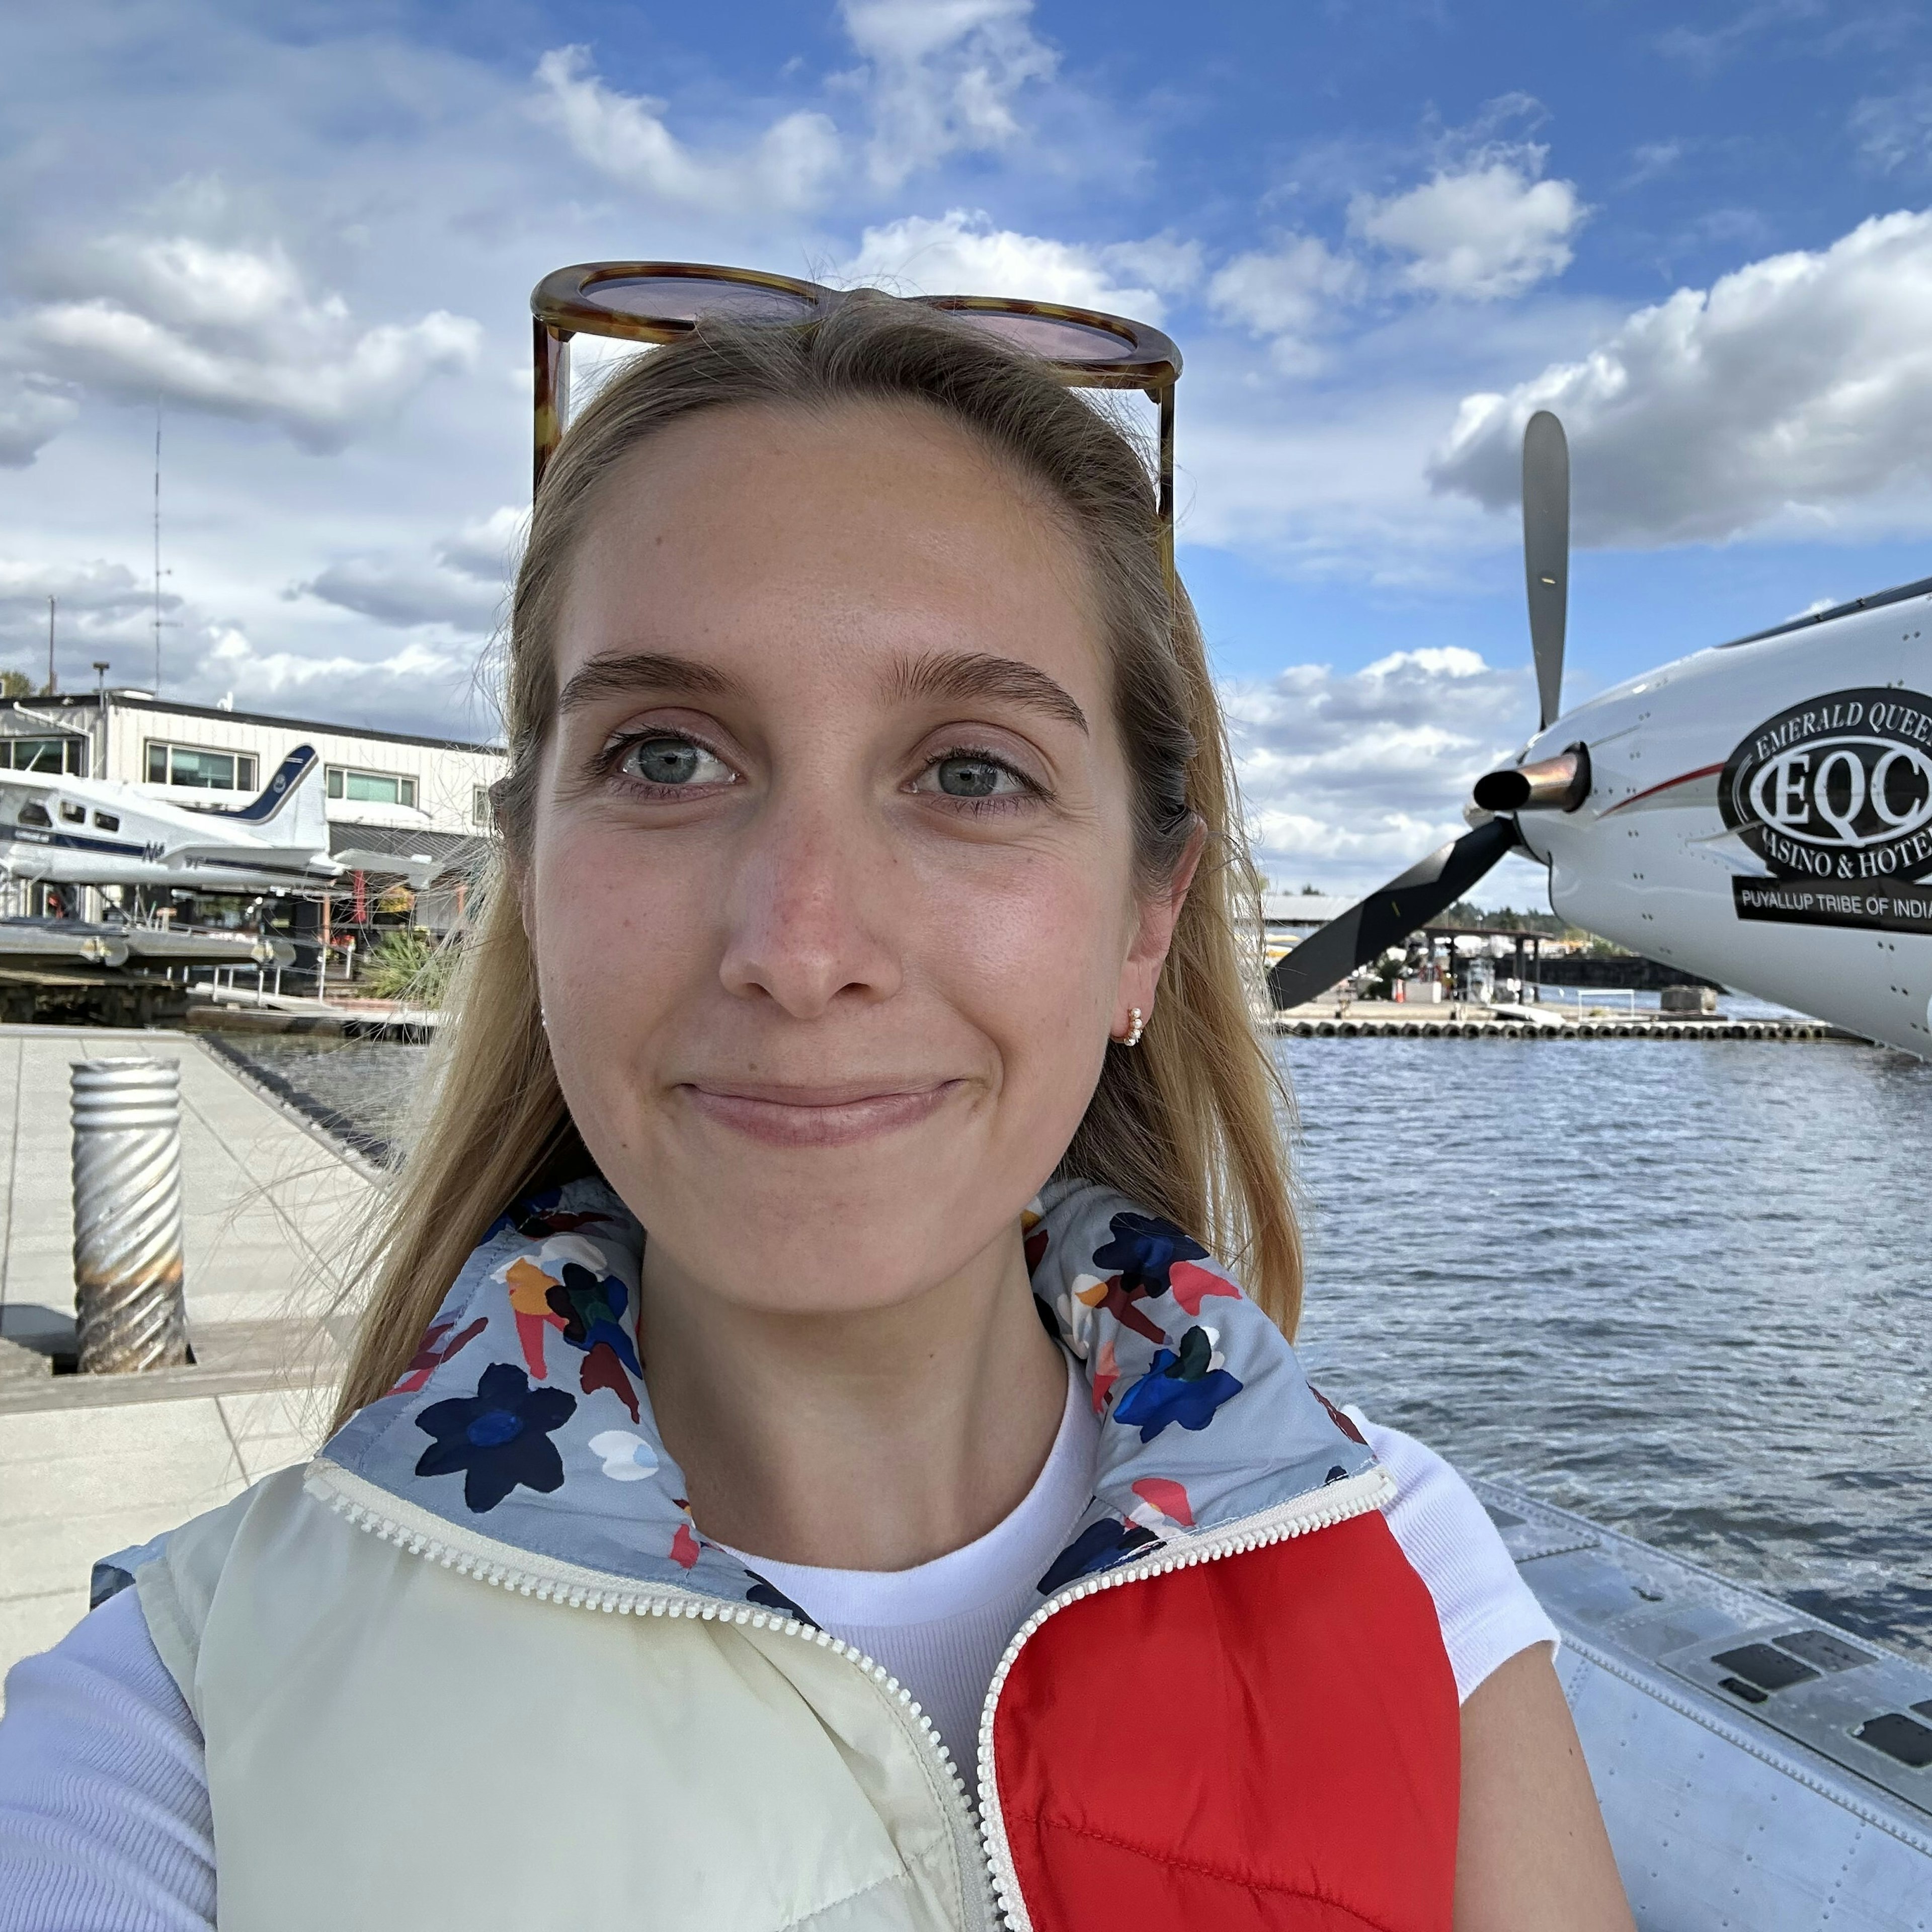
1269 1742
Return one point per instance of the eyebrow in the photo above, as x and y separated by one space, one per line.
617 676
963 676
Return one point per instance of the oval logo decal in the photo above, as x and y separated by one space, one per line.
1839 788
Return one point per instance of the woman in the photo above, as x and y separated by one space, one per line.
920 1525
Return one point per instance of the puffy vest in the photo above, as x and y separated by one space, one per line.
475 1666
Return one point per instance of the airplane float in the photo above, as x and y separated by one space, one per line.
1759 813
59 830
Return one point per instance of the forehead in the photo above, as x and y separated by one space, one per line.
749 531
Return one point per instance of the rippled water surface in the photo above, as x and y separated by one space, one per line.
1684 1288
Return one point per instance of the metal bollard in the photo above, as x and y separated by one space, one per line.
128 1302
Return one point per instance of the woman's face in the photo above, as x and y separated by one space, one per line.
831 884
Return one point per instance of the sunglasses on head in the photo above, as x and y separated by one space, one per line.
659 301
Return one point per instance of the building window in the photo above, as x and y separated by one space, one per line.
371 787
479 805
209 771
66 755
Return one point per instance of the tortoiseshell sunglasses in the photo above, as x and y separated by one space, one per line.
659 301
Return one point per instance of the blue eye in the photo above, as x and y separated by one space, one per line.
674 763
967 775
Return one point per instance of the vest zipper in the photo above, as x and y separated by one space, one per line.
1352 1496
471 1555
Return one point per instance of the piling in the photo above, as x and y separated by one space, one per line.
129 1309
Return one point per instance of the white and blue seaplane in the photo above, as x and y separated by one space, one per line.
61 830
1759 813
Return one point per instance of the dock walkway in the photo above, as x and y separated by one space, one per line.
89 1465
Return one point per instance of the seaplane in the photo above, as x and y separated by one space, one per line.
1759 813
60 830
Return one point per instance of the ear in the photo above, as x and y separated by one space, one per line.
1140 971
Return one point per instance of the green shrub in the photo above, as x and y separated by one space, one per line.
406 963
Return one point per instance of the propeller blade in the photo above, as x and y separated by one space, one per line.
1546 552
1386 918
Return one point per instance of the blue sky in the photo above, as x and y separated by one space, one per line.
1382 233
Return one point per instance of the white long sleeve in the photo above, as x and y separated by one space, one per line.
104 1818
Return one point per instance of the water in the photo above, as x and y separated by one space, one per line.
1682 1287
371 1083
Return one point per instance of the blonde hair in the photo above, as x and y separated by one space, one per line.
1188 1123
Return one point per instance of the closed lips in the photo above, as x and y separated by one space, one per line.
820 1116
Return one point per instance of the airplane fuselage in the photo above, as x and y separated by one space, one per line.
72 831
1761 814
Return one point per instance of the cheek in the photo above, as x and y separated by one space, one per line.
1033 952
614 938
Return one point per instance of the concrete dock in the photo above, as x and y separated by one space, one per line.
89 1465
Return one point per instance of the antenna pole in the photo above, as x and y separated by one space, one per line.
51 686
157 546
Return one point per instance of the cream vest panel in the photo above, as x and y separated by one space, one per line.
390 1742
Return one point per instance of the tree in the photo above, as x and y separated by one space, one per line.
16 684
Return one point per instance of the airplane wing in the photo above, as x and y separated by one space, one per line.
418 867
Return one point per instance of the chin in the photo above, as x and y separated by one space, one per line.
853 1236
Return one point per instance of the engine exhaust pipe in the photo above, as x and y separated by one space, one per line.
1560 783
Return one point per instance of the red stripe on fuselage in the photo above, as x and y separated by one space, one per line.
1689 778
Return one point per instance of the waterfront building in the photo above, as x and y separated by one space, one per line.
386 791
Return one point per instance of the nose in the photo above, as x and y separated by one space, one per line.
806 905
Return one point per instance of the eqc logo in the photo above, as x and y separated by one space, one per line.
1838 788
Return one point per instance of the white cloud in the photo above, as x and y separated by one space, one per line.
486 548
941 77
231 659
1789 392
1167 261
95 587
104 611
788 168
1894 131
937 78
1348 778
234 331
962 253
1487 230
405 595
1705 52
31 415
1286 293
462 585
1481 230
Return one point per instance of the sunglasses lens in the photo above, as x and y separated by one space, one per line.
673 299
1054 338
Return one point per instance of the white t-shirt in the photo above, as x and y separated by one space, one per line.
104 1814
941 1628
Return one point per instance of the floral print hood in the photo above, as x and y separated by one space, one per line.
524 1415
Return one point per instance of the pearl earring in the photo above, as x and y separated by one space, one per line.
1136 1026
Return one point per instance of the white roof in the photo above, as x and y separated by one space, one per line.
1302 908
